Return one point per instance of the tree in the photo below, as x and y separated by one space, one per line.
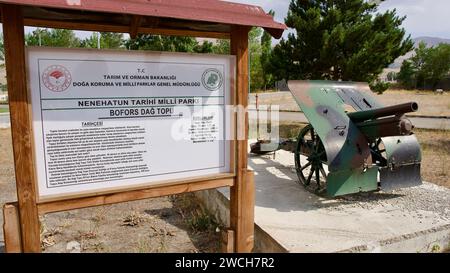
407 75
429 65
169 43
188 44
437 64
266 50
418 60
205 47
52 37
2 48
338 40
162 43
144 42
108 40
280 65
256 72
3 87
222 47
391 76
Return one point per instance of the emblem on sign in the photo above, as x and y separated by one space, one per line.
56 78
212 79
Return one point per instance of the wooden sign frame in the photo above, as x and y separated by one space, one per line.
144 185
21 219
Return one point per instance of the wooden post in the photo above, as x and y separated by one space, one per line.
13 31
242 193
228 241
134 26
11 228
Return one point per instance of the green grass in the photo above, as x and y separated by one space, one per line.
4 110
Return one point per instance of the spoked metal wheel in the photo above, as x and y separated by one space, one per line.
312 169
379 156
378 152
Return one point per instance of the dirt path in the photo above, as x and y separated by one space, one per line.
149 226
166 224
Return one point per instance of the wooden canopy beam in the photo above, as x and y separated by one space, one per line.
124 29
134 26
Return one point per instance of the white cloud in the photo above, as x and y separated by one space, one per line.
424 17
279 6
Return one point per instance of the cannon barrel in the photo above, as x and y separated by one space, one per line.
384 127
399 109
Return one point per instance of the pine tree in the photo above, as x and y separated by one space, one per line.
338 40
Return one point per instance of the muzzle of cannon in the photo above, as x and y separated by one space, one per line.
353 143
386 121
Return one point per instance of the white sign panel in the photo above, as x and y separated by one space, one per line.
108 120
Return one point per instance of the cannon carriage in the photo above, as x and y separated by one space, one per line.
352 143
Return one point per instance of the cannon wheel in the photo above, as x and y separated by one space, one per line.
310 146
378 151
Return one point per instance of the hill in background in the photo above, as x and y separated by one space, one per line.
429 41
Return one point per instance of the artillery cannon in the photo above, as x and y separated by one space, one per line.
352 144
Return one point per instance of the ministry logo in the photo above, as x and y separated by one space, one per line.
212 79
56 78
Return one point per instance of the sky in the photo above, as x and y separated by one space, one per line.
424 17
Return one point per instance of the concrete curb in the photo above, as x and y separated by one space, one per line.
431 240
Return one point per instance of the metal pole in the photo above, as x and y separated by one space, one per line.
98 40
257 117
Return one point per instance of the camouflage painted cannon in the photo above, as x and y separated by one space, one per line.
353 144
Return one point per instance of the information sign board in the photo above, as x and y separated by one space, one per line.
116 120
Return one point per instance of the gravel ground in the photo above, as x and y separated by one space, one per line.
427 197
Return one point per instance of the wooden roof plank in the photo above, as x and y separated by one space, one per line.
215 11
